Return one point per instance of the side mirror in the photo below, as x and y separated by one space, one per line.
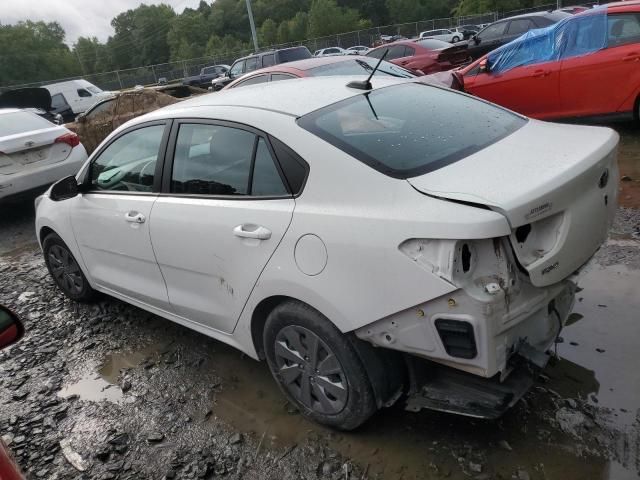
476 39
484 66
64 189
11 328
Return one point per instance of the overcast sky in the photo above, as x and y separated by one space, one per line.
86 18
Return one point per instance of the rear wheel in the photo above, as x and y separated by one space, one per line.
317 367
455 39
65 270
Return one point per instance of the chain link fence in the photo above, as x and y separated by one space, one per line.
176 71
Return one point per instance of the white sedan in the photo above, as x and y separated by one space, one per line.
331 51
443 34
309 229
34 153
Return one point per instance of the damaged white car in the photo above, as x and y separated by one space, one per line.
369 241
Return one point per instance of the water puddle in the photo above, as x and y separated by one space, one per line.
92 387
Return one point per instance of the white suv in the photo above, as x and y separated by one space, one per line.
442 34
309 229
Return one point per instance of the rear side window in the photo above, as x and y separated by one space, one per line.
623 28
410 129
251 65
268 60
21 122
252 81
219 160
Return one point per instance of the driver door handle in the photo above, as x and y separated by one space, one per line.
541 73
248 230
134 217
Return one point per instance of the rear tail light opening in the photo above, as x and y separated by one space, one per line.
70 139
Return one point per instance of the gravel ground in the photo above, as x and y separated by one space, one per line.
109 391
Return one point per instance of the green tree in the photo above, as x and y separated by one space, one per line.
327 18
268 33
188 35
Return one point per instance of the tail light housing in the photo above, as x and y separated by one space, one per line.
70 139
457 338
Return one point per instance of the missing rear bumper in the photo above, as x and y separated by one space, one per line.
441 388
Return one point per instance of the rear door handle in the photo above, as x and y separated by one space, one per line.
248 230
541 73
632 57
134 217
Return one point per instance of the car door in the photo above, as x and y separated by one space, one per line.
539 81
110 219
223 211
606 80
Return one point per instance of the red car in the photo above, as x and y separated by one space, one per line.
588 65
321 66
426 55
11 330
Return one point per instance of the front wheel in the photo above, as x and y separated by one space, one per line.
455 39
317 367
65 270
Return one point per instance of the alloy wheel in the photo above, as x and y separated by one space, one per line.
65 270
310 371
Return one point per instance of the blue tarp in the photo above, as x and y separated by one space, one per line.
574 36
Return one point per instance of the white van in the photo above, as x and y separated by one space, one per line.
78 94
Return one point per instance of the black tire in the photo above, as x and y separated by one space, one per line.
341 396
455 39
65 271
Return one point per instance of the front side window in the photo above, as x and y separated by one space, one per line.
128 164
410 129
83 93
58 101
492 32
395 52
518 27
102 108
218 160
237 69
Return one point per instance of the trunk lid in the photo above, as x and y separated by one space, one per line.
556 185
456 55
31 150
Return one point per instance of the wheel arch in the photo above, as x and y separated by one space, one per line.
44 232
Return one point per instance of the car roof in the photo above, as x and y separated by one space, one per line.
546 13
9 110
289 98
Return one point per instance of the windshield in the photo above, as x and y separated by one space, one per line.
360 66
20 122
411 129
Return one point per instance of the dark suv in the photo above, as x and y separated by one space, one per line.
260 60
507 29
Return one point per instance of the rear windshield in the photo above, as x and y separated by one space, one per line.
432 43
292 54
360 66
20 122
411 129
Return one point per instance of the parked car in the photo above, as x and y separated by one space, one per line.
503 31
34 153
207 74
586 66
260 60
358 49
426 55
443 34
104 117
11 331
467 31
573 9
324 52
78 94
384 39
417 247
37 100
322 67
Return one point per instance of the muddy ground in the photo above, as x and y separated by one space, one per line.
109 391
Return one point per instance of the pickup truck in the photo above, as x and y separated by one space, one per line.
207 74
